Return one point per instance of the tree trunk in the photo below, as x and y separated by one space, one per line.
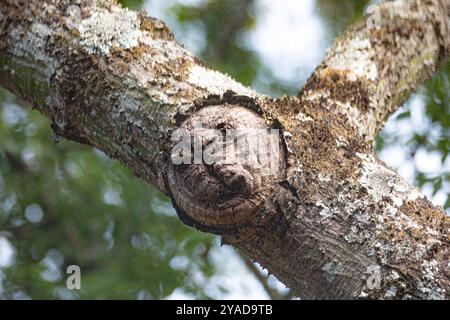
332 221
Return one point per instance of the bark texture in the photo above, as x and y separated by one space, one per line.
334 222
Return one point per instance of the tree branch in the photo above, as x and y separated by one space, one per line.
331 222
371 70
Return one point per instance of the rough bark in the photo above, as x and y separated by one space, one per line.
334 221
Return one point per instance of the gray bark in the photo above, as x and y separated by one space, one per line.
334 222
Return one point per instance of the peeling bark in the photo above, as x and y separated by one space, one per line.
335 222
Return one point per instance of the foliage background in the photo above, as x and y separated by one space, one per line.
62 203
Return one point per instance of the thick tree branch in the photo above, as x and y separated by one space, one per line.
381 61
331 222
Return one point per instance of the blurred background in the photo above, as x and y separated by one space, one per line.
62 203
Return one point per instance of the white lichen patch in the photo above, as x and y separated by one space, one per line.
354 57
104 30
303 118
429 288
326 212
381 181
391 292
393 275
429 269
215 82
356 235
323 177
32 45
313 95
341 142
287 135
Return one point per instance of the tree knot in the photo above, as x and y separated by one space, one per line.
225 161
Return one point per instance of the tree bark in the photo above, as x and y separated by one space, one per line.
333 222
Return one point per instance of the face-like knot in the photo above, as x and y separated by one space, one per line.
224 163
